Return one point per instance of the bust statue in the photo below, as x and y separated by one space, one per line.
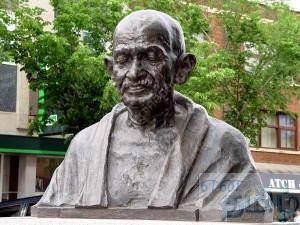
157 149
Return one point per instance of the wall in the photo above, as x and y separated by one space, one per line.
48 14
276 157
16 123
294 106
27 174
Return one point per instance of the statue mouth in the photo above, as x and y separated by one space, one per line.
138 90
139 87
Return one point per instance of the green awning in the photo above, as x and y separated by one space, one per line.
32 145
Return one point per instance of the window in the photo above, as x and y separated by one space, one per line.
45 167
8 87
279 133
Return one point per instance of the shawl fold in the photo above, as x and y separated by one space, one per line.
210 168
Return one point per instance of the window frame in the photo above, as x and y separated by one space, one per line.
278 130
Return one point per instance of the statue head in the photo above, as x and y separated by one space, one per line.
148 59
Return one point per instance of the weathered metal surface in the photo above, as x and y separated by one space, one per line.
157 149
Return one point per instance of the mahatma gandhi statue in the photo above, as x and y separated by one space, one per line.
157 149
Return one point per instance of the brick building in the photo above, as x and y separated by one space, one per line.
278 156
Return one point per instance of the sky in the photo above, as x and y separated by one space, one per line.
295 4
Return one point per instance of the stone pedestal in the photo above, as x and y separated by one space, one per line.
65 221
152 214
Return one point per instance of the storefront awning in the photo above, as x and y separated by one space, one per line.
32 145
280 178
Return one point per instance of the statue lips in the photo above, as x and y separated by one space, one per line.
139 88
136 89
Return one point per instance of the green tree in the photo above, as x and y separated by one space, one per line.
252 75
67 63
264 70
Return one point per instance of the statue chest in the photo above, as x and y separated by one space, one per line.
135 161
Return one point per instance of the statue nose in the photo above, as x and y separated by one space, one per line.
134 70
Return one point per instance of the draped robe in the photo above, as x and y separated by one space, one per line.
211 168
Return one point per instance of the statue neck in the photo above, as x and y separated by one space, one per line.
160 115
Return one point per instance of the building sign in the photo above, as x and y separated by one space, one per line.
52 126
281 182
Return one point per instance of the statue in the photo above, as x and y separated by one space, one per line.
157 149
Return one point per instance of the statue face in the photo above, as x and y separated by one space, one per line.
143 65
148 59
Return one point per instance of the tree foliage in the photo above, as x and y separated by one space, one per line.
250 75
67 62
253 74
265 60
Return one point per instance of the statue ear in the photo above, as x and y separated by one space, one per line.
186 63
108 61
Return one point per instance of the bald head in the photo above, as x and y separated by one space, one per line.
157 26
148 57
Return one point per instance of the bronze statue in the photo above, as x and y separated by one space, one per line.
157 149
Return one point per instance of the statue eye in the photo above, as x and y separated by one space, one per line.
122 58
151 56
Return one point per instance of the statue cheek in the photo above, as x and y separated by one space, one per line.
165 77
155 69
118 77
163 72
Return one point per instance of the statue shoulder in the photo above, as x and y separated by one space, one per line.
88 138
224 128
231 140
86 135
218 130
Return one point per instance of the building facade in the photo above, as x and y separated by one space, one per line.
278 161
26 163
277 158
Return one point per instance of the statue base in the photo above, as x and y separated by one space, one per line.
70 221
152 214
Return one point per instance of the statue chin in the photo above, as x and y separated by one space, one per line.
147 100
